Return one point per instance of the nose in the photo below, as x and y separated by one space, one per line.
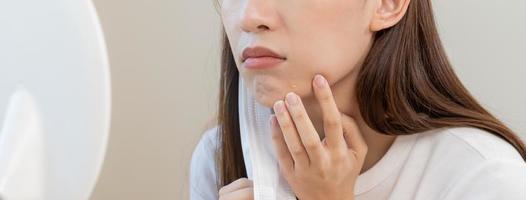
258 15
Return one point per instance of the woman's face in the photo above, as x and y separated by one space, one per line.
328 37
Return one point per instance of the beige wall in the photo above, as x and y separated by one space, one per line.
163 62
164 58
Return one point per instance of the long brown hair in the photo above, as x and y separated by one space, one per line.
406 85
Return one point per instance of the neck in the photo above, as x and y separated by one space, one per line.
343 92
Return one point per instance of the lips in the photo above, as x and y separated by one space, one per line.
258 52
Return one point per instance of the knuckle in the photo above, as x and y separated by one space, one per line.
286 125
361 151
322 172
299 115
296 151
324 166
359 155
365 149
325 96
338 157
332 123
312 145
349 124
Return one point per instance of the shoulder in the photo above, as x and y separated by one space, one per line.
491 179
203 168
208 142
488 145
472 163
475 142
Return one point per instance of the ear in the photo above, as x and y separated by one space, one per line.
388 13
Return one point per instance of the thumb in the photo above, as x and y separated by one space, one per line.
238 184
352 135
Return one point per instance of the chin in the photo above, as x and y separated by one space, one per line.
267 89
268 99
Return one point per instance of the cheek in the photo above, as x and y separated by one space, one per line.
334 43
332 58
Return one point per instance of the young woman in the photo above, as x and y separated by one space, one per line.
367 106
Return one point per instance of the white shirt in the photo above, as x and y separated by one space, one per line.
447 163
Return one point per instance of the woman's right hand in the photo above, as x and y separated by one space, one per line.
240 189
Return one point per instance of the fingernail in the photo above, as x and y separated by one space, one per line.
320 81
292 98
279 107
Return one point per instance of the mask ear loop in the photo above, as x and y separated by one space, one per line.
258 154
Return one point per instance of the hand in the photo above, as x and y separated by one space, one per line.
317 169
240 189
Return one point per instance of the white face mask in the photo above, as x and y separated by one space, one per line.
258 149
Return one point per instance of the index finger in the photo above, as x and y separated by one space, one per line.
331 114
